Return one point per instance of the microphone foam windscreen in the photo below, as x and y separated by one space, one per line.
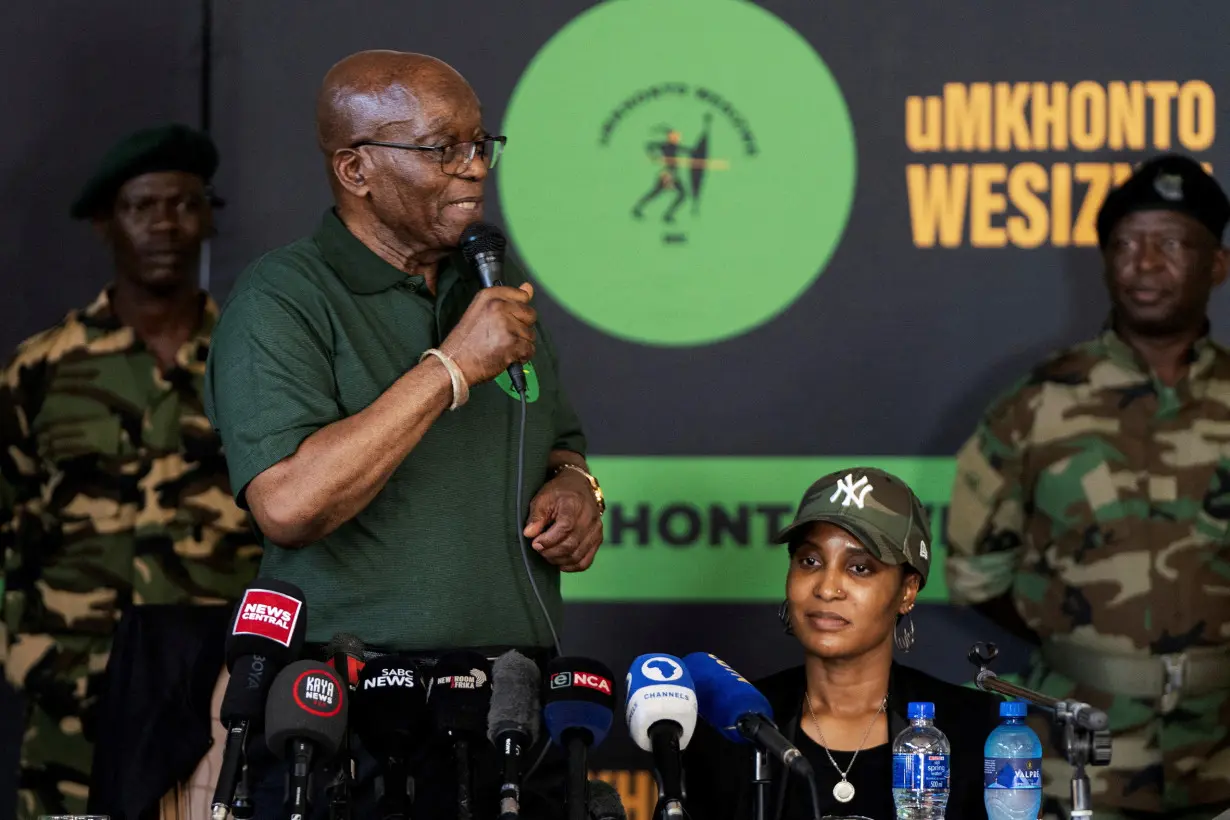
580 695
390 710
514 696
605 802
660 688
270 620
481 237
459 693
307 702
723 695
247 690
344 643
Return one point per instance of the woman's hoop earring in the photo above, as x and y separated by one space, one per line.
903 632
783 615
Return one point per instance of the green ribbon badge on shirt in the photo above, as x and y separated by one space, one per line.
531 383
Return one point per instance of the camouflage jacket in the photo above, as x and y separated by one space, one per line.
113 489
1101 498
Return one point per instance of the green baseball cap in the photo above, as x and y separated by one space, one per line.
876 507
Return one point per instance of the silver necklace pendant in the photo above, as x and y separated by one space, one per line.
844 791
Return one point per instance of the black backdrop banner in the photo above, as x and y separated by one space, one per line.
770 239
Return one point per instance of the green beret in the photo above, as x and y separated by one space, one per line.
165 148
1170 182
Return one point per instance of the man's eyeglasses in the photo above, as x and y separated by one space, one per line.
455 158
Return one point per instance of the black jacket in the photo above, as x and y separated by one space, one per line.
718 773
154 724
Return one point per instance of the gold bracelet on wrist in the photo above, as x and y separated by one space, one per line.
599 498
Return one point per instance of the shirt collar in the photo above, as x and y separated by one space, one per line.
1199 356
101 318
359 268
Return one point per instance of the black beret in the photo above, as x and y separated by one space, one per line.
164 148
1170 182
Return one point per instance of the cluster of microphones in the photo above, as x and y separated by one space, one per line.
308 710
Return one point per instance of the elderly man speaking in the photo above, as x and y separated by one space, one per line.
358 382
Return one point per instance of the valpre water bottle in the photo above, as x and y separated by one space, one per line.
920 767
1013 770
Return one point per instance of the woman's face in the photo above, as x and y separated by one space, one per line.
843 602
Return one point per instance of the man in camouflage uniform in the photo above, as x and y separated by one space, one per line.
113 489
1091 510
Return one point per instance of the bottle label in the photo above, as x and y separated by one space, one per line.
1012 773
920 771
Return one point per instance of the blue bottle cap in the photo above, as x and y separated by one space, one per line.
921 710
1013 708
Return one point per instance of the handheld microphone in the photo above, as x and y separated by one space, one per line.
579 710
512 722
661 714
459 698
739 711
391 719
604 802
267 632
305 719
482 245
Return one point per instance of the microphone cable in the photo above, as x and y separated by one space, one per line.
525 557
525 547
815 793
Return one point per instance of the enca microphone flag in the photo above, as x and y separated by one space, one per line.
579 696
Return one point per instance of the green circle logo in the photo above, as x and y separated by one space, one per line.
678 172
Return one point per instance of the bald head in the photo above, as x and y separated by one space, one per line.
371 90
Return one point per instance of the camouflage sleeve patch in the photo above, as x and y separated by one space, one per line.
986 517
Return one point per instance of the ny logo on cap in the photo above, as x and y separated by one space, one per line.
1169 186
855 491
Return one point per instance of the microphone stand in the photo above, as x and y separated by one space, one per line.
578 774
242 807
1077 729
462 749
760 784
339 789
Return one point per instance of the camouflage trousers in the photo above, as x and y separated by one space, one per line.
1164 764
55 767
58 680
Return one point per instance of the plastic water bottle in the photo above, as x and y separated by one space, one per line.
920 767
1012 775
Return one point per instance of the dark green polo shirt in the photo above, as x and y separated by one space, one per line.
314 332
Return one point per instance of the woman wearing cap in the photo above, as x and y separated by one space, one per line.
860 550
